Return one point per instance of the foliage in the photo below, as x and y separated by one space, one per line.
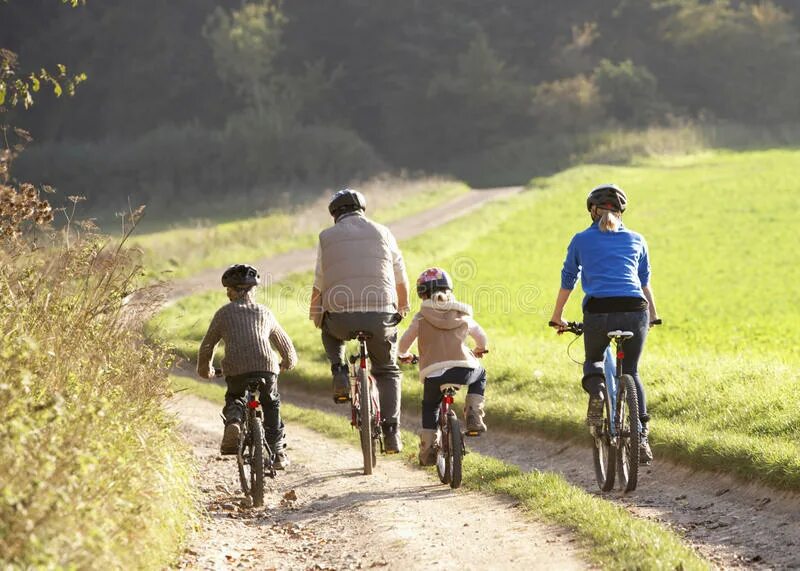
567 105
93 473
629 92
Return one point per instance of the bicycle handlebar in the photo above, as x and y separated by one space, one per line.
577 327
572 326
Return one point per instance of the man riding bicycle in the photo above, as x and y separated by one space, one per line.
360 284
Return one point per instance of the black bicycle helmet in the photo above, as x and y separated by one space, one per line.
608 196
346 200
240 276
432 280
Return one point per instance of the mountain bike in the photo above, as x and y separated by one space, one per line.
617 437
254 456
364 404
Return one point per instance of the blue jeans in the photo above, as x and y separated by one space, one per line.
595 341
432 395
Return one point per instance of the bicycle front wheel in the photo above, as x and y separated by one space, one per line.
456 446
628 419
365 421
603 453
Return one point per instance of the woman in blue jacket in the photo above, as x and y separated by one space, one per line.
613 265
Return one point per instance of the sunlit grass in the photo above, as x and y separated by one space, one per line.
185 250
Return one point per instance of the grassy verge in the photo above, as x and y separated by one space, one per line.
183 251
93 475
723 384
615 539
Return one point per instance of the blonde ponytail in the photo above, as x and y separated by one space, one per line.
609 221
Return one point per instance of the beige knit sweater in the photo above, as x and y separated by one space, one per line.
249 331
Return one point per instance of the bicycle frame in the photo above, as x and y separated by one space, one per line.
361 360
612 368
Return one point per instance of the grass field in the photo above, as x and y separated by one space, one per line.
182 251
722 374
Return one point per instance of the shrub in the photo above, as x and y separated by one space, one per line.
629 92
567 105
93 474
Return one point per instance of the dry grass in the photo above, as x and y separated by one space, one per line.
92 473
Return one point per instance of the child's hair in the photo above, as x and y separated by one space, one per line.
609 221
442 296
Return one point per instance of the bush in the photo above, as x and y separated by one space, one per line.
629 93
176 167
568 105
93 473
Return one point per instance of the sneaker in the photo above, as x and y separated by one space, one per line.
281 460
427 447
645 454
594 415
230 439
341 383
391 438
474 413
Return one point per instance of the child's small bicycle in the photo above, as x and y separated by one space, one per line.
254 456
364 404
451 448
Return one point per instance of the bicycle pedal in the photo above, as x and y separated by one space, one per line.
341 399
391 452
472 433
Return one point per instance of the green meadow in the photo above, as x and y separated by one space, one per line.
722 374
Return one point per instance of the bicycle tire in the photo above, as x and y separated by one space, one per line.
443 454
628 415
257 463
604 454
456 446
365 420
241 460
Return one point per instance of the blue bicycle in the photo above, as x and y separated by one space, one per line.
617 438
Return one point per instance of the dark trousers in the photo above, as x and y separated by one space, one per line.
432 395
382 348
595 341
270 404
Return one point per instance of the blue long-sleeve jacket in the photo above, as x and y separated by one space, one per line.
609 264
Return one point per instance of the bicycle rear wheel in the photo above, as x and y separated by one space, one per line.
365 421
456 446
251 461
628 418
603 453
443 454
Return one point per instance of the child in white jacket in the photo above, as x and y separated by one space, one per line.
441 329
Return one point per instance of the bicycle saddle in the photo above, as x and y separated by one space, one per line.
448 386
357 334
617 334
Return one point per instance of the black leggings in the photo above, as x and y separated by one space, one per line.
595 341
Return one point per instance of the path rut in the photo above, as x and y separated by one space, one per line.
322 513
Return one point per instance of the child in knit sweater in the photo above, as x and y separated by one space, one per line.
249 331
441 329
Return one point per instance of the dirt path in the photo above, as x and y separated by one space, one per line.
278 267
734 525
322 513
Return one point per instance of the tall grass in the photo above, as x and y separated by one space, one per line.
92 473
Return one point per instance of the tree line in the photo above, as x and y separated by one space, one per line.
247 93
